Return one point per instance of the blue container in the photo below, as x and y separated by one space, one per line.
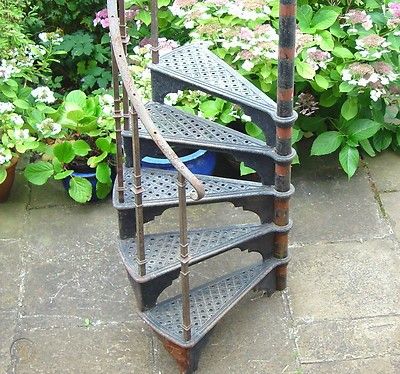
199 162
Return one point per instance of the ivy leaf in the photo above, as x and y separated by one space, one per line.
103 189
305 70
62 175
103 173
326 143
81 148
382 140
39 172
64 152
80 189
349 108
349 159
362 129
3 175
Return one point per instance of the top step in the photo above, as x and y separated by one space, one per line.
201 69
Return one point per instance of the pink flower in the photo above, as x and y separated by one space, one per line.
103 20
394 8
246 33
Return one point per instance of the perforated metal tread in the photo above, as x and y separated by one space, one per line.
160 189
197 66
162 250
208 303
181 128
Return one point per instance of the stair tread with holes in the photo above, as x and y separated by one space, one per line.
162 250
181 128
208 303
202 69
160 189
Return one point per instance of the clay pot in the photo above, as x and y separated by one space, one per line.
5 187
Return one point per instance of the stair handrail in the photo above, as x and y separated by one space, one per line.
136 100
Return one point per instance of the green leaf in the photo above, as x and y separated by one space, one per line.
327 99
76 97
326 143
3 175
349 108
367 147
62 175
245 170
322 81
8 91
103 189
104 144
210 108
327 43
362 129
80 189
342 52
162 3
144 16
305 70
304 16
64 152
21 104
253 130
324 18
349 159
382 140
81 148
94 160
103 173
39 172
345 87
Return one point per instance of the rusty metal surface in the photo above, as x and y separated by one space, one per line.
137 102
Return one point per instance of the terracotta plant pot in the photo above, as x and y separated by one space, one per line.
5 187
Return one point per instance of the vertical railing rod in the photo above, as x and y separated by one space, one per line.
184 259
117 118
138 192
284 123
125 41
155 57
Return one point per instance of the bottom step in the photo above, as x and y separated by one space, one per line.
208 303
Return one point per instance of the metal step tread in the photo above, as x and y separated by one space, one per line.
182 128
208 303
160 189
162 250
196 65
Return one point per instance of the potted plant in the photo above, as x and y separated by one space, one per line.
15 139
77 147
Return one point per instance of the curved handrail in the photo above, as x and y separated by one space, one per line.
134 97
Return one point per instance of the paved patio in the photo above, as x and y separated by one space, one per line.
66 305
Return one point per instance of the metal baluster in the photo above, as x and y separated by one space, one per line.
125 41
117 117
184 258
138 191
284 123
154 32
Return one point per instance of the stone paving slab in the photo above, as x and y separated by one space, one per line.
375 365
391 202
344 280
385 171
120 348
349 339
7 327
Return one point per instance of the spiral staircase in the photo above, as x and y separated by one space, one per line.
153 262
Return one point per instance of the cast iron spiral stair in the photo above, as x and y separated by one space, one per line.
183 322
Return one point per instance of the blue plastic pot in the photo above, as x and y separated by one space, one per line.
91 177
199 162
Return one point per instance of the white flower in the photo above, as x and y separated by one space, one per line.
7 70
375 94
247 65
17 119
245 118
48 127
172 98
189 24
21 133
363 82
43 37
6 107
346 75
44 95
5 155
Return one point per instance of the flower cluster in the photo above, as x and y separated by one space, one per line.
318 58
102 17
375 76
356 17
306 104
50 37
48 128
394 12
372 46
7 70
43 95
